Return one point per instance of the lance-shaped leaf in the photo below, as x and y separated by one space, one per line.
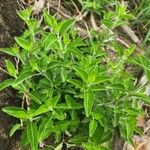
23 43
72 103
48 40
78 139
6 84
8 51
11 68
92 127
32 135
14 129
81 73
143 98
144 62
16 112
77 83
66 25
26 73
88 101
51 21
60 115
45 128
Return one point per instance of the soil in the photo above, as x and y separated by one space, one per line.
10 26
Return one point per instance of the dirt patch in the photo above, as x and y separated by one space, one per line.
10 26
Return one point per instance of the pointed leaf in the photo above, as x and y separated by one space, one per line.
78 139
51 21
81 73
6 84
77 83
14 129
25 44
88 102
25 13
60 115
22 77
16 112
49 40
143 98
11 68
32 135
101 79
59 147
92 127
35 97
8 51
66 25
45 128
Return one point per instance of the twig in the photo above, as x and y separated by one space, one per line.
58 9
131 34
93 22
122 42
4 70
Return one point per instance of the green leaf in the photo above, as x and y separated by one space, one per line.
91 146
130 50
6 83
62 106
144 62
60 115
66 25
42 109
143 98
16 112
22 77
24 139
88 102
71 103
14 129
25 13
55 100
48 40
8 51
78 139
51 21
118 87
48 106
77 83
34 64
59 147
98 138
25 44
32 134
11 68
45 128
129 128
33 25
97 114
100 79
92 127
35 97
63 74
76 43
81 73
63 125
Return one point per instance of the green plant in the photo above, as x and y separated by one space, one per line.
68 88
96 5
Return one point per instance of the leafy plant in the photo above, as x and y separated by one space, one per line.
68 89
96 5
